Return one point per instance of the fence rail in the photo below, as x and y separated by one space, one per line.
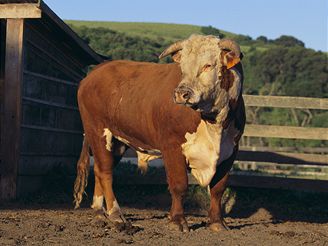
286 102
235 179
294 132
276 156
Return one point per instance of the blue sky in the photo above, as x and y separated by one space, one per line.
303 19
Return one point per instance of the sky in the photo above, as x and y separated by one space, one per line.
306 20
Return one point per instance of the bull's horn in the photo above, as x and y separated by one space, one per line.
231 45
171 49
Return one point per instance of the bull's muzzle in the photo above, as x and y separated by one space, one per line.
183 95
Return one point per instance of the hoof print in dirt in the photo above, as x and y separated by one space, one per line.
176 226
101 223
127 228
125 241
218 227
60 228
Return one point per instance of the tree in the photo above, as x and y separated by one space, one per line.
209 30
294 71
262 39
116 45
288 41
243 39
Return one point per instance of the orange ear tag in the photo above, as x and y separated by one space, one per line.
232 62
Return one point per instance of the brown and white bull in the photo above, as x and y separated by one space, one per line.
189 113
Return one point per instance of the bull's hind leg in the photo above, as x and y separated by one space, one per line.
101 145
217 188
117 150
176 172
98 196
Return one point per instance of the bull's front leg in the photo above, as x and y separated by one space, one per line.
217 188
176 173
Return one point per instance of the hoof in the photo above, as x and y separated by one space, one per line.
218 227
179 225
99 214
115 217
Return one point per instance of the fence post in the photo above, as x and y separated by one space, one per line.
10 130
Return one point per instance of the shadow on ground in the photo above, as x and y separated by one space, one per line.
282 205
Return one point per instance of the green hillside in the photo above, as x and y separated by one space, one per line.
147 30
164 32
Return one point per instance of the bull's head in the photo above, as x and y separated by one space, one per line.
205 63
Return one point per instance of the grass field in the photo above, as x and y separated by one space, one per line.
149 30
158 31
167 31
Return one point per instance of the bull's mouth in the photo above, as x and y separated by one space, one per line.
205 110
187 104
194 106
199 107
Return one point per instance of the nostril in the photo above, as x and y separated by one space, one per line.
183 94
186 95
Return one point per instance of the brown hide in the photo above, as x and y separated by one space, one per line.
134 100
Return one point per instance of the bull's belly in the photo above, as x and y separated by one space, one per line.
204 149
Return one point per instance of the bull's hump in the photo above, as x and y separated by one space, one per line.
136 65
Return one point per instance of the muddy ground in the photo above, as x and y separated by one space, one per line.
255 217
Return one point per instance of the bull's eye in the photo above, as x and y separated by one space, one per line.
207 67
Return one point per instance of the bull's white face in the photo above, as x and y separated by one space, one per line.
200 65
201 61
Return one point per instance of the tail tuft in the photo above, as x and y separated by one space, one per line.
81 180
143 160
143 166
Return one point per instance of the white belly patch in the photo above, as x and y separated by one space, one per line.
108 136
144 158
206 148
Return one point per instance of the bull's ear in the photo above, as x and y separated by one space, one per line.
230 59
176 56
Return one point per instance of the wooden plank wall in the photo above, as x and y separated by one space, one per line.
51 126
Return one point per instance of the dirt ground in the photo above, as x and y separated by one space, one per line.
255 217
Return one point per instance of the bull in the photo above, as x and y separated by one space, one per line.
190 113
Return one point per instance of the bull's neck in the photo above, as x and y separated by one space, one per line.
219 110
224 95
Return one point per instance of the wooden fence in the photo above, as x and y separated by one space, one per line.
267 155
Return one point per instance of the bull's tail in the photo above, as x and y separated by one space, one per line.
83 166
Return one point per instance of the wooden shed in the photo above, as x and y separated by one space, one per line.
41 63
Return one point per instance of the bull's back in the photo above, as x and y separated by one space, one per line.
134 99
